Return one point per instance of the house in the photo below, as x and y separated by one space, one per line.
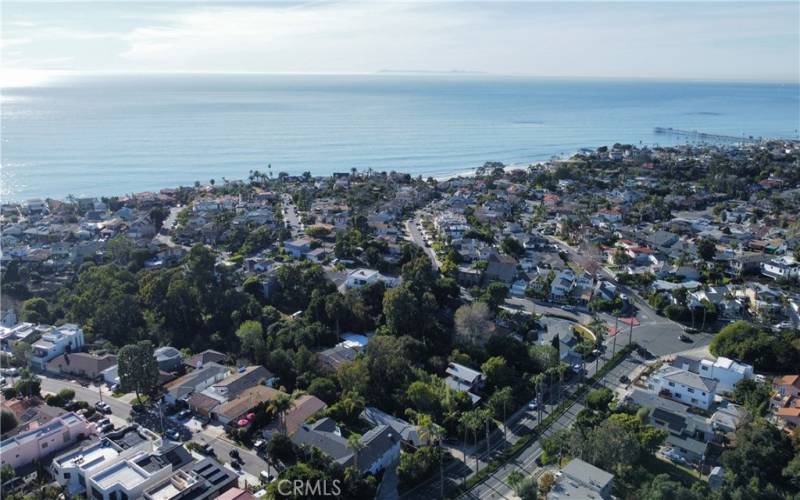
464 379
380 446
41 442
337 355
684 386
781 268
205 357
502 268
579 479
789 416
302 409
687 433
196 381
408 432
727 417
82 364
364 277
65 338
244 378
725 371
168 358
297 248
237 494
237 408
203 404
786 391
361 277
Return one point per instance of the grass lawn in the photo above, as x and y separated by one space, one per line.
677 472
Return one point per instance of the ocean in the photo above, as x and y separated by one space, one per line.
111 135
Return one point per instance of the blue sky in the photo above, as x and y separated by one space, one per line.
681 40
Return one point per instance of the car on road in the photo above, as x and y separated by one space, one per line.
568 308
102 407
258 445
236 465
106 428
624 379
684 338
533 405
11 372
577 368
266 477
205 449
184 414
234 454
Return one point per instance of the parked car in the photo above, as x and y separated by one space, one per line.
577 368
234 454
684 338
102 407
185 414
259 444
266 477
624 379
236 465
105 429
533 405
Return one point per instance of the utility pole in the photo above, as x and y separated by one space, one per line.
630 333
616 331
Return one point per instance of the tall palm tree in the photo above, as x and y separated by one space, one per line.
504 397
280 405
472 421
356 446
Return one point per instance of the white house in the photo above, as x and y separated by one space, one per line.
684 386
725 371
55 343
781 268
364 277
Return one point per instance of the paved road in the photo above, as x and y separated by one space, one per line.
655 333
419 240
290 216
169 224
89 394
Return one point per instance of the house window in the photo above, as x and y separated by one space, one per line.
694 400
67 475
677 395
672 384
690 390
44 445
703 393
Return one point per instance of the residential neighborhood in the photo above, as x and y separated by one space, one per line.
599 325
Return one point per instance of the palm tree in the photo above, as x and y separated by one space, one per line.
472 421
355 444
280 405
504 397
538 381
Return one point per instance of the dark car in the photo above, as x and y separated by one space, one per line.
684 338
234 454
624 379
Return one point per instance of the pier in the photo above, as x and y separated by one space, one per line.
703 136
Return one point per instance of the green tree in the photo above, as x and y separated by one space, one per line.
706 248
280 405
752 395
8 421
599 399
498 373
495 295
512 246
35 310
252 340
137 368
6 471
323 388
356 446
762 452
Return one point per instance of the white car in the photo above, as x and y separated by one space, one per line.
533 405
577 368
